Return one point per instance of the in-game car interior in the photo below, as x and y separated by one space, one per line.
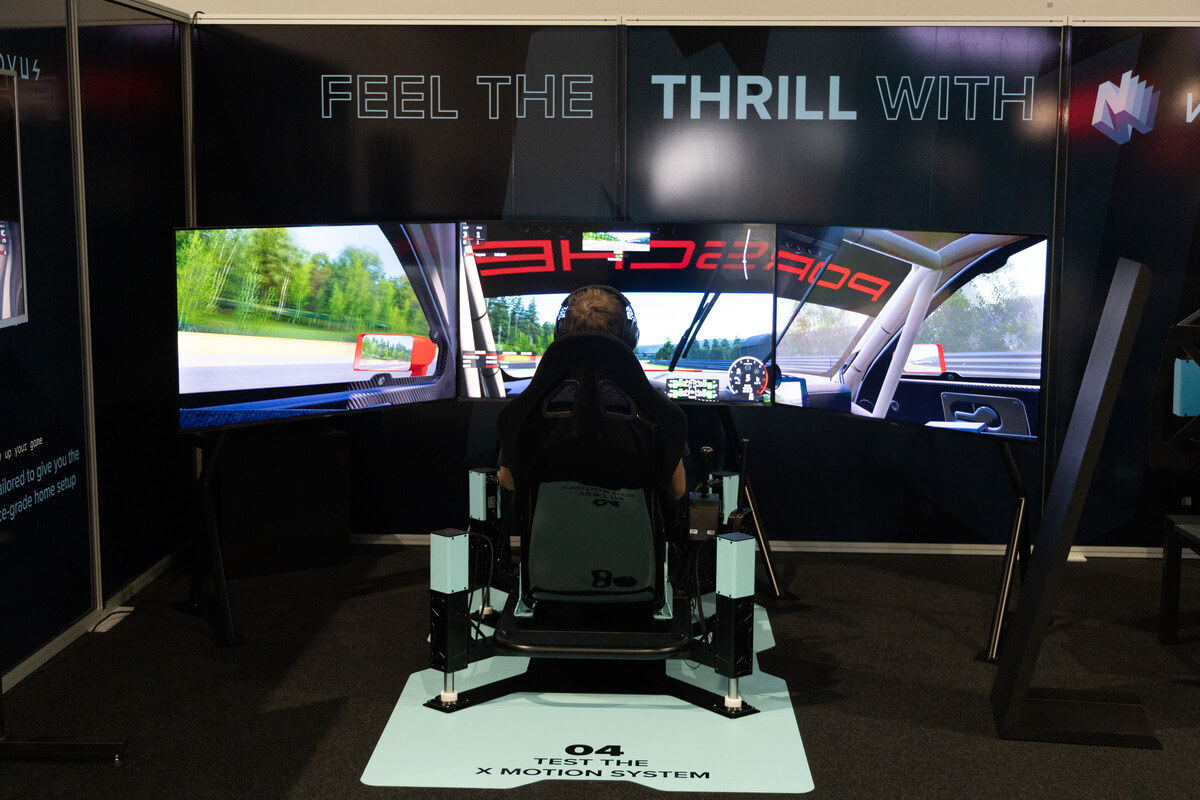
940 329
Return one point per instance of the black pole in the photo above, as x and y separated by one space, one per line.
223 627
1016 551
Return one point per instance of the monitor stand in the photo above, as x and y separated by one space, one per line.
1016 553
1065 715
208 452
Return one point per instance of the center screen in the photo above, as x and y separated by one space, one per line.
702 294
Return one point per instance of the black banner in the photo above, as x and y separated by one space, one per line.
932 128
45 556
1133 191
319 124
132 105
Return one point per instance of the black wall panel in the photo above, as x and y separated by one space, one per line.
934 128
45 559
921 128
328 123
908 126
133 153
450 140
1139 199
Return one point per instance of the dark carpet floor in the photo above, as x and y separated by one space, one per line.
878 651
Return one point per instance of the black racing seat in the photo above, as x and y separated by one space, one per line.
592 447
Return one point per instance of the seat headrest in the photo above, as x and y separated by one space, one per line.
589 359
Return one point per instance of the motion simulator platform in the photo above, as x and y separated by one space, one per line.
653 740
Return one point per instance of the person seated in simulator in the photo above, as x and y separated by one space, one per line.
599 310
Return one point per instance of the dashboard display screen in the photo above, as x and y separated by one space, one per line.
702 389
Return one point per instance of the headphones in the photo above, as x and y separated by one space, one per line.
629 327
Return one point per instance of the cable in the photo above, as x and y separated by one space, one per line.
697 586
695 601
485 594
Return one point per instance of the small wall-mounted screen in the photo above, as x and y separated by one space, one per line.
13 308
286 322
702 295
935 328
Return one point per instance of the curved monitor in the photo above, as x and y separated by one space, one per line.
277 323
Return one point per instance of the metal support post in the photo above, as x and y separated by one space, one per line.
733 638
449 596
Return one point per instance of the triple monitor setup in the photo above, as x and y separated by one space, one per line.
939 329
942 329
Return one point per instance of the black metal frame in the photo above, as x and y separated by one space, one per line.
1174 540
219 612
1016 553
570 668
1055 715
1174 441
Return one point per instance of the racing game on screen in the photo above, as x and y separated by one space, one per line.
12 259
934 328
702 294
315 320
